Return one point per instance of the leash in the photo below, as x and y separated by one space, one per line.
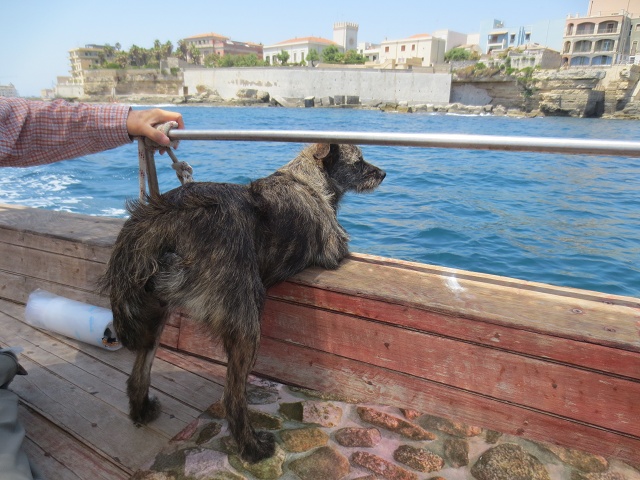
147 174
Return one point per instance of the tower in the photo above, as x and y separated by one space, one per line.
345 34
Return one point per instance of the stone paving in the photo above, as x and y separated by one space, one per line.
326 437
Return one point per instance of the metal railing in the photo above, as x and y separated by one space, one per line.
425 140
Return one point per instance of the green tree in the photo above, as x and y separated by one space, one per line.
194 54
283 57
331 54
457 54
353 58
313 57
183 50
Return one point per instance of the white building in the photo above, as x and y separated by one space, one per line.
345 37
8 91
297 48
418 50
345 34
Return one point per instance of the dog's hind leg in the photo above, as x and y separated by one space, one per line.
142 407
241 346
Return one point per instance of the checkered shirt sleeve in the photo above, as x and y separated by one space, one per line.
34 133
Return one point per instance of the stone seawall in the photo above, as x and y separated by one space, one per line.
611 92
369 85
103 83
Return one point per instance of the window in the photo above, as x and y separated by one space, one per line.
386 49
585 29
402 48
579 61
634 48
601 60
512 38
527 36
608 27
582 46
569 30
413 47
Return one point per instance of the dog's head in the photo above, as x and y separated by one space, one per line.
346 168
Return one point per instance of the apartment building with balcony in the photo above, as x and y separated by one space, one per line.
604 36
84 58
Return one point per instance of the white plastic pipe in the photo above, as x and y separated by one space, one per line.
81 321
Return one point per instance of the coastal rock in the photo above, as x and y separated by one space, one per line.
322 413
410 414
456 452
381 467
585 462
491 436
258 419
509 462
418 458
325 462
394 424
457 429
303 439
267 469
209 431
358 437
205 464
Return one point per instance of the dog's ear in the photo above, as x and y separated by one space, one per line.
322 151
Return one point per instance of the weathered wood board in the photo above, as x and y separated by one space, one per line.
545 362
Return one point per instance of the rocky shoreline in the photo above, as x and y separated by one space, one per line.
262 99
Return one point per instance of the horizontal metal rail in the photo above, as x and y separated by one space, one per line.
425 140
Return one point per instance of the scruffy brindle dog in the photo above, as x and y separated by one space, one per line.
212 250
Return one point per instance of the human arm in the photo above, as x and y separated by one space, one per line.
34 132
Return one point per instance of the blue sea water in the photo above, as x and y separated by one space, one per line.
560 219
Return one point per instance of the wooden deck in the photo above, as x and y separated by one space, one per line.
547 363
74 405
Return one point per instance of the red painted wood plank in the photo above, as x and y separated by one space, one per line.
585 396
584 354
317 370
567 313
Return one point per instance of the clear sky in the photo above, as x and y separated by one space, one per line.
36 35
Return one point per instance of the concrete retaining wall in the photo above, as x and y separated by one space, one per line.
382 85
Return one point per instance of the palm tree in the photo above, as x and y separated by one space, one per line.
194 54
183 50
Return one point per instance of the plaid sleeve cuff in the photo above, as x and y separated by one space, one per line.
110 126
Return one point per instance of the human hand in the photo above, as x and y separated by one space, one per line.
140 123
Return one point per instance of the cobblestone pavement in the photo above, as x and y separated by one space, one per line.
325 437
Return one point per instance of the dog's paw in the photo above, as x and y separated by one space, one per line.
263 447
147 412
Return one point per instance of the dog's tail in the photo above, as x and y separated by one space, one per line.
128 280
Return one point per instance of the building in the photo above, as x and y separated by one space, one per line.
418 50
604 36
501 38
216 44
298 49
495 36
533 56
456 39
345 37
345 34
8 91
89 56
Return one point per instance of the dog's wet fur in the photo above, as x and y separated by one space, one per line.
212 249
